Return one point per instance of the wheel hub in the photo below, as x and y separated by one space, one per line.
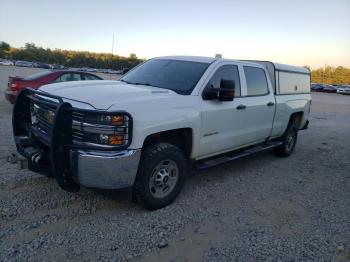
163 179
290 141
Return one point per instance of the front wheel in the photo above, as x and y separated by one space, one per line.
289 140
160 176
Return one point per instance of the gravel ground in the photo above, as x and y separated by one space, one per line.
261 208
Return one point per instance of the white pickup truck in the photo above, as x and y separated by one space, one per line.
164 116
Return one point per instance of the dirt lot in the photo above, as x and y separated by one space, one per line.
256 209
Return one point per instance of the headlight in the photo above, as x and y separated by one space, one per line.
116 120
112 139
34 112
101 129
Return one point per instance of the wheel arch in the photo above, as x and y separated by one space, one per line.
296 118
181 137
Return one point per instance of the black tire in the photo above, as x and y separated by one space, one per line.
289 140
145 188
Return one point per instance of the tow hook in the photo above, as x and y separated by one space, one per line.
12 158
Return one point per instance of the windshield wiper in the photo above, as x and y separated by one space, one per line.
141 84
136 83
178 91
122 80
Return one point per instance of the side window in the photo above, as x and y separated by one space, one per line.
227 72
68 77
256 81
90 77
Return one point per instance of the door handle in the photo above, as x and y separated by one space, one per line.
241 107
270 104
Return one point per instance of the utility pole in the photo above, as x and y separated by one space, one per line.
112 44
110 75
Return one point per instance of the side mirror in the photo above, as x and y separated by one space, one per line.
210 93
226 90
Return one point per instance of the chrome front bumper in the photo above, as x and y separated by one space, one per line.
107 170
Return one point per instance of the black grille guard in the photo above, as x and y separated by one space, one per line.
59 141
21 122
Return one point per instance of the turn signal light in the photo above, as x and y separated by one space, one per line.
115 140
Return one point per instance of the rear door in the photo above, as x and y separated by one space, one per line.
258 105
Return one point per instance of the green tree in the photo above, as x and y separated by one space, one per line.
4 49
133 56
31 52
331 75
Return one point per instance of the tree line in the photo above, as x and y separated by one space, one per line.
30 52
331 75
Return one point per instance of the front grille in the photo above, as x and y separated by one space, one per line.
78 116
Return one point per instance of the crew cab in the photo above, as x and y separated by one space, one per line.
164 116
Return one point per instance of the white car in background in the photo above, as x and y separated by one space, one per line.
345 90
6 62
24 63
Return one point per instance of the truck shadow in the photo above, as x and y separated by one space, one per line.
235 166
199 178
123 195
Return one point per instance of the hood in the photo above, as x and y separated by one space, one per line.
104 94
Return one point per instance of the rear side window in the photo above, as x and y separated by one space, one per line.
66 77
227 72
91 77
256 81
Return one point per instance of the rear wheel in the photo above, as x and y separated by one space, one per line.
160 176
289 140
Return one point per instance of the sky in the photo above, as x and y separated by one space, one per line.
298 32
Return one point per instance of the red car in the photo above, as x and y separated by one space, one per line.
16 84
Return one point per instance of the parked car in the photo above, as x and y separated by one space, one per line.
317 87
56 66
329 89
125 70
16 84
165 115
88 69
42 65
23 63
345 90
6 62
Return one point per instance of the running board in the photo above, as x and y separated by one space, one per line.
235 155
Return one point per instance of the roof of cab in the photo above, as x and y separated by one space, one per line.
204 59
201 59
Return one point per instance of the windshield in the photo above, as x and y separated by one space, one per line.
176 75
37 75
